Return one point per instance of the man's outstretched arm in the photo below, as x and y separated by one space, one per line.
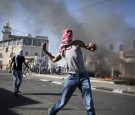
51 57
90 46
10 66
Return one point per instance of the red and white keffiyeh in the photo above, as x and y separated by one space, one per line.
67 35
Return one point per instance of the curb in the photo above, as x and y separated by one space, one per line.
102 81
128 92
114 90
63 77
120 91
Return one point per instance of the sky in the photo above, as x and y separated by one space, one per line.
103 22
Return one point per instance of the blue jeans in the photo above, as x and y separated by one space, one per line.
73 81
17 79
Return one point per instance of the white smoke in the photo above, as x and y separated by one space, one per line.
100 23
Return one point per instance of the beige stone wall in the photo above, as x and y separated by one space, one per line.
5 59
8 38
6 55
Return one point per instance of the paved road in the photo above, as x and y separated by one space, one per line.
38 95
97 83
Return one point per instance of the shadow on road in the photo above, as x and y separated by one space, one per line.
8 100
56 94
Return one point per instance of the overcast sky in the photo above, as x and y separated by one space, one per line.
101 21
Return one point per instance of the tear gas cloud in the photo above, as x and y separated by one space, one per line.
101 21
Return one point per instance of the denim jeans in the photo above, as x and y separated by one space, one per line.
73 81
17 79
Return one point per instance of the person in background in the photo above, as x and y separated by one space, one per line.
77 75
17 62
59 70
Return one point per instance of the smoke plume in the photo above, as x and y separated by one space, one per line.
103 24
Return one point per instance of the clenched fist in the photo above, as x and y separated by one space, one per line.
92 47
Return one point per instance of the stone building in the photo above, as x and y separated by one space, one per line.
31 48
127 63
118 63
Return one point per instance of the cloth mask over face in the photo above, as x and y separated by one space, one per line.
19 53
67 35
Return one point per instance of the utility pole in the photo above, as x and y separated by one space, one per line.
40 61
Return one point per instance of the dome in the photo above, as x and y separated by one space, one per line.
28 35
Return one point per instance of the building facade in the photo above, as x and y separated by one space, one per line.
31 47
127 63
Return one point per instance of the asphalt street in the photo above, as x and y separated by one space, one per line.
106 85
40 92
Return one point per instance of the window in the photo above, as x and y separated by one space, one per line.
14 42
20 41
36 54
6 44
1 56
44 41
26 53
27 41
36 42
10 43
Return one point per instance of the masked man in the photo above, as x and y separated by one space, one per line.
77 75
18 60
